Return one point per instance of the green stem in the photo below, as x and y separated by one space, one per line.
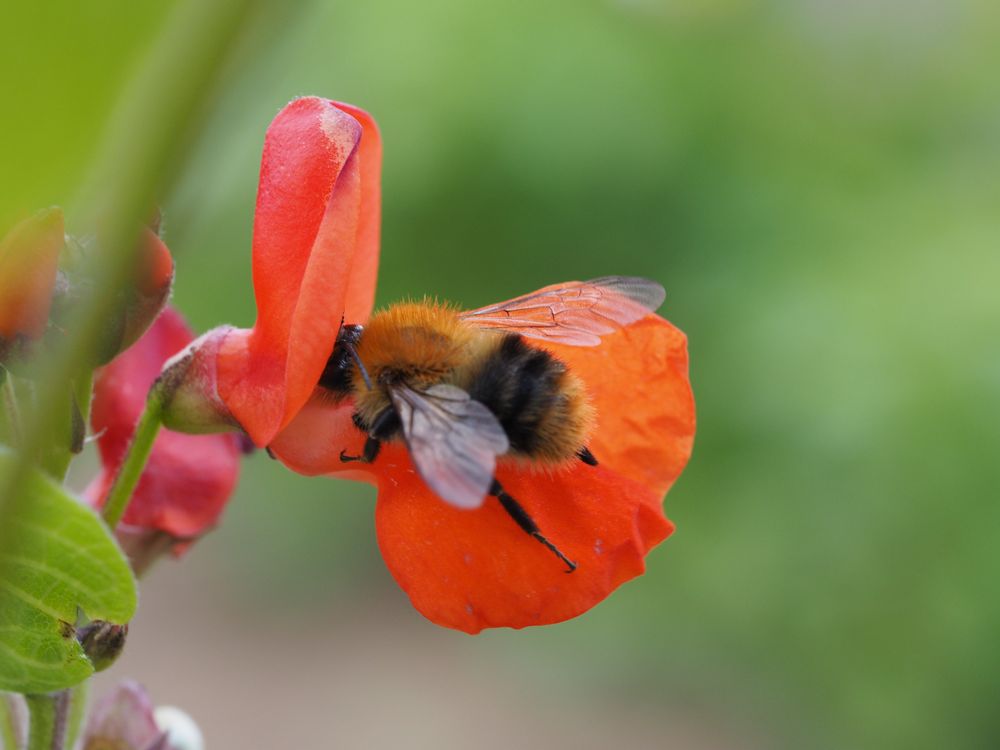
56 457
12 410
48 719
9 731
69 437
77 712
83 391
135 459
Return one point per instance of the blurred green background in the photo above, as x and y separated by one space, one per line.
814 182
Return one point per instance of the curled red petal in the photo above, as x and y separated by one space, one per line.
189 478
317 212
475 569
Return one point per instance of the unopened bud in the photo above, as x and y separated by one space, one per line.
189 388
29 256
102 641
154 275
137 305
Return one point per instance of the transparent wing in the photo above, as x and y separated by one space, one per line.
574 312
453 440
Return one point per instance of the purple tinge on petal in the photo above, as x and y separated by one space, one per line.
123 720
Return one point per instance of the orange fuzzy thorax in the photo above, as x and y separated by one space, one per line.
422 342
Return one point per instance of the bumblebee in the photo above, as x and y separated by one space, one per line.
462 388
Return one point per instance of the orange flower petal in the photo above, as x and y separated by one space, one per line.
312 442
476 569
29 255
316 205
637 380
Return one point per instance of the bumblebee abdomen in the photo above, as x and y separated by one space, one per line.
540 404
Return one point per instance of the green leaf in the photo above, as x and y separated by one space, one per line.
61 557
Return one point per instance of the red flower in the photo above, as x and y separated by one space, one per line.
315 255
188 479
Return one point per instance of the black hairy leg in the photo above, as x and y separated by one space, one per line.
384 426
586 456
368 455
527 523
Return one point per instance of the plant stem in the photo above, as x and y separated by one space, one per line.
10 722
49 717
12 410
83 391
71 434
77 712
135 459
56 456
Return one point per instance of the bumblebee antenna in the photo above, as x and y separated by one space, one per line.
361 365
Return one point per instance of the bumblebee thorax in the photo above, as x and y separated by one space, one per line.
420 343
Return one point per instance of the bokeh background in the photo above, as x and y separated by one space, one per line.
815 183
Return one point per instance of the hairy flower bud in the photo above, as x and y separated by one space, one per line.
189 385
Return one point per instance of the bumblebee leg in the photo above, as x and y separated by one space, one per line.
369 454
586 456
526 522
383 424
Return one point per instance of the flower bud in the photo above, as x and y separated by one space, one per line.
152 280
189 384
137 305
102 641
29 256
125 720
